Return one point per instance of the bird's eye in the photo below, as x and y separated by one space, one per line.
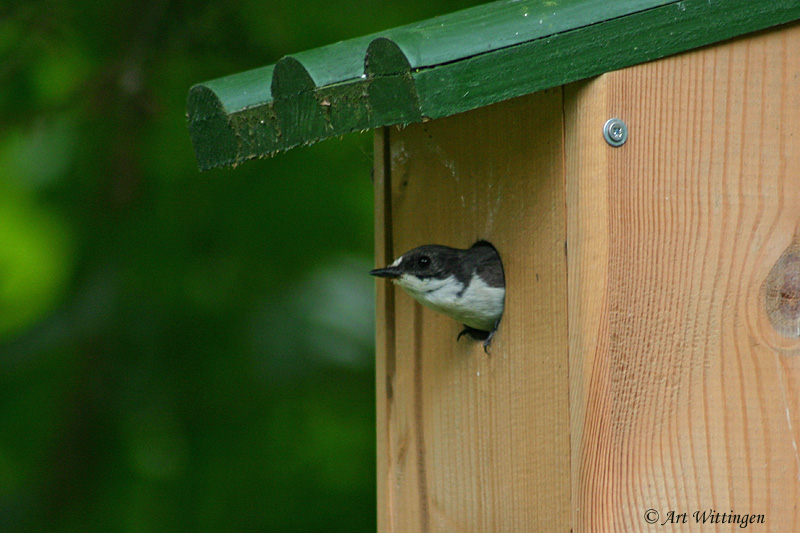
424 261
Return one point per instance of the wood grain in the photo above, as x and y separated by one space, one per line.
683 396
466 441
385 327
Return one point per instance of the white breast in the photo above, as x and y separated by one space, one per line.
479 307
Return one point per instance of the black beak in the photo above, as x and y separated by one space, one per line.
388 272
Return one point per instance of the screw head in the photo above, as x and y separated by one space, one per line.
615 132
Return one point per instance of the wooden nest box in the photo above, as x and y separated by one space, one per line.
647 367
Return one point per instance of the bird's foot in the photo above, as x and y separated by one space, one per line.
479 335
488 340
474 334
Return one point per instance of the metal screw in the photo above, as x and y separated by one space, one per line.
615 131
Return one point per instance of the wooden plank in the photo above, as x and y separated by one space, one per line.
385 327
470 442
684 397
608 44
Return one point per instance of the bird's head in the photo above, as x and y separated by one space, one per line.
422 269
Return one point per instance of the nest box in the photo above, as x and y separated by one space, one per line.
637 166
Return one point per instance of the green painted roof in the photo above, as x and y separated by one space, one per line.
450 64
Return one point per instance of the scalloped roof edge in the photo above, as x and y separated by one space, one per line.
450 64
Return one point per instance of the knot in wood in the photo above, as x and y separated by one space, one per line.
782 293
790 290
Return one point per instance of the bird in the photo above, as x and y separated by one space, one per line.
466 285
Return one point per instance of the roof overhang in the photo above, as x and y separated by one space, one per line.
450 64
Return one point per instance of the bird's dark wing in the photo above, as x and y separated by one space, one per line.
489 266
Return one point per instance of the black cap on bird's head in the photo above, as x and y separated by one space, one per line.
429 261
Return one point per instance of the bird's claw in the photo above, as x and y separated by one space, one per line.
479 335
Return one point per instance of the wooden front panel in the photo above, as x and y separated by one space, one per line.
469 441
684 396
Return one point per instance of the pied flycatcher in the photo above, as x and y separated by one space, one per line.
466 285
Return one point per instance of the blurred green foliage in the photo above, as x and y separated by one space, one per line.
179 351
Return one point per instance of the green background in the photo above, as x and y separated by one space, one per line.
179 351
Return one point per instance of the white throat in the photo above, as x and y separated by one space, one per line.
479 306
